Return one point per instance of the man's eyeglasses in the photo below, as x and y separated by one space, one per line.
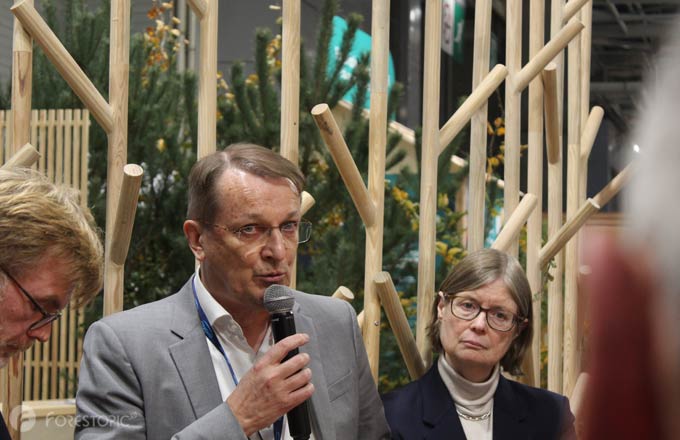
292 232
497 317
47 317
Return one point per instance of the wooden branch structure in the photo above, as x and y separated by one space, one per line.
307 202
344 294
552 124
555 213
514 224
377 141
125 214
513 121
428 175
207 13
64 63
330 132
290 80
478 127
546 54
25 157
397 318
590 207
472 104
571 362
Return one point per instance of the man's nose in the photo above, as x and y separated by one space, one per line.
276 244
42 334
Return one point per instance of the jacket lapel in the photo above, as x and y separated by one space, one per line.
320 405
192 356
508 413
439 411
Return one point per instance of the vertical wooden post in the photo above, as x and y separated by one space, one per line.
290 90
22 79
571 361
428 175
535 186
377 140
513 54
119 68
207 82
290 80
586 39
478 128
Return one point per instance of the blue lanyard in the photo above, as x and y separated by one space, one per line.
212 337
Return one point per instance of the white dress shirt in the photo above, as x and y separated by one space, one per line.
240 354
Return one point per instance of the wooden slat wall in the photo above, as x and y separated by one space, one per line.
61 136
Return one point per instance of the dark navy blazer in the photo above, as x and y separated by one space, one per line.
4 434
424 409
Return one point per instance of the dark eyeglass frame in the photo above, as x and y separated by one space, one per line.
302 225
516 320
47 318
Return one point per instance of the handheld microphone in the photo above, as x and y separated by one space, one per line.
279 301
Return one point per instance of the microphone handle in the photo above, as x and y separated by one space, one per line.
283 325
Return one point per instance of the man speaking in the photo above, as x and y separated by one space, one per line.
203 363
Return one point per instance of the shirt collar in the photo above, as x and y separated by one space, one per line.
212 309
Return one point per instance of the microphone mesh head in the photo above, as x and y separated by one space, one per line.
278 299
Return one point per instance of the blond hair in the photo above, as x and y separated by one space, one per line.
39 219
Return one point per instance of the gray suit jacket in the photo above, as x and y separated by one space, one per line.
147 373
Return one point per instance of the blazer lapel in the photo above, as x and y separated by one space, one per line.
192 356
439 410
508 413
320 405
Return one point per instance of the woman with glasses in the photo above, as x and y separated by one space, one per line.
481 326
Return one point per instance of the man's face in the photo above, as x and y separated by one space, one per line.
49 287
237 270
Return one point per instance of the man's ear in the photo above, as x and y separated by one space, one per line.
193 231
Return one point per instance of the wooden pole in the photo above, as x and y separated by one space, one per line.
513 108
199 7
290 80
532 363
377 141
570 9
307 202
125 214
513 226
64 63
472 104
22 78
119 68
571 364
567 231
584 100
553 84
343 160
428 176
545 54
614 186
590 129
25 157
344 294
399 323
207 77
552 121
478 127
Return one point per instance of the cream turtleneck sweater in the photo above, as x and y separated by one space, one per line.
472 399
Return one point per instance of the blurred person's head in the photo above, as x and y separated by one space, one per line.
482 316
635 283
50 255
